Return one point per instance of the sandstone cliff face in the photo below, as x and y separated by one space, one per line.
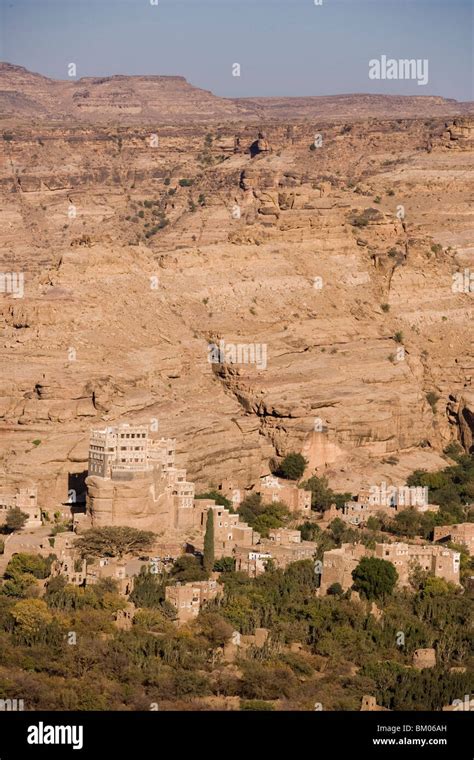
142 100
462 410
140 501
130 274
121 99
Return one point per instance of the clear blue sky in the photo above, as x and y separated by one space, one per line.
284 47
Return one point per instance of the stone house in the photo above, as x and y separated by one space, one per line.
461 533
188 598
273 489
338 564
25 499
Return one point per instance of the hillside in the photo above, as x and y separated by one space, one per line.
142 100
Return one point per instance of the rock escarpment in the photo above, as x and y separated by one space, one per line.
338 262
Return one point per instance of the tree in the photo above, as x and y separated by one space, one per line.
188 568
322 496
215 628
30 615
148 589
309 531
208 558
217 497
335 590
263 517
224 565
21 586
337 529
292 467
275 515
112 541
374 578
406 523
15 519
31 564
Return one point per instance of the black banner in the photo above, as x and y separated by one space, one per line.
127 734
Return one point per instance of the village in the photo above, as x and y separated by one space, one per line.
133 481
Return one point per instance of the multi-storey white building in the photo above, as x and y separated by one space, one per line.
128 448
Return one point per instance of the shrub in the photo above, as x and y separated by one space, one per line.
454 450
363 218
185 182
256 704
224 565
432 399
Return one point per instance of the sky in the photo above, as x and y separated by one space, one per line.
283 47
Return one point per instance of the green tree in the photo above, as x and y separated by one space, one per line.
30 616
217 497
208 557
148 589
322 496
274 515
224 565
188 568
292 467
374 578
309 531
32 564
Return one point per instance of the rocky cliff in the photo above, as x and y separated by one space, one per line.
334 252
